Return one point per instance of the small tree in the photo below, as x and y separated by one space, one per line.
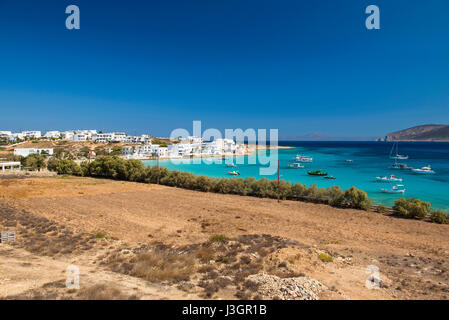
357 199
68 167
411 208
439 216
335 195
35 161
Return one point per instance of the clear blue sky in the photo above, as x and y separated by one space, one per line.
300 66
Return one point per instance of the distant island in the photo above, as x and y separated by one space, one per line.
428 132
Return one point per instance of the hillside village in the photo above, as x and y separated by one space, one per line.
87 144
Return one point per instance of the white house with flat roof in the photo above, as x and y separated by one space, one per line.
110 137
5 135
25 152
52 134
78 137
31 134
10 166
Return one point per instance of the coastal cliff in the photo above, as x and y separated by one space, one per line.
429 132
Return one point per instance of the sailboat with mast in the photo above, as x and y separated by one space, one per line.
394 153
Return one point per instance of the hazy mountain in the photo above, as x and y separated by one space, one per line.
318 136
428 132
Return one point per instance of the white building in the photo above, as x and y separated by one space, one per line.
181 149
159 151
78 137
52 134
110 137
5 135
67 135
25 152
192 139
11 166
16 136
31 134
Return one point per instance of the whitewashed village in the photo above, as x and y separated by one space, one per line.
126 146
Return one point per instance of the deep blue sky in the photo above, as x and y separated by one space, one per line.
300 66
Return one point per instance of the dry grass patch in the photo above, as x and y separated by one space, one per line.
163 265
103 292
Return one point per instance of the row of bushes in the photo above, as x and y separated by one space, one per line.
418 209
134 170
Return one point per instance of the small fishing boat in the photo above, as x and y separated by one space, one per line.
233 165
389 179
424 170
330 177
400 166
317 173
295 165
394 153
399 188
301 158
234 173
349 160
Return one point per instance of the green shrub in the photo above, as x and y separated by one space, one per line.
336 196
381 208
52 164
153 173
218 238
357 199
262 188
411 208
325 257
285 189
35 161
68 167
439 216
135 171
298 190
100 235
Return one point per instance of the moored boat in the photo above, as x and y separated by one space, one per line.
399 188
389 179
424 170
301 158
317 173
330 177
295 165
394 153
234 173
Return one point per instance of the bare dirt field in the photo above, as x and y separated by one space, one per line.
172 231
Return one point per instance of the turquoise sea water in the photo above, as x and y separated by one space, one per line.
370 159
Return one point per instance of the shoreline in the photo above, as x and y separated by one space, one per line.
249 152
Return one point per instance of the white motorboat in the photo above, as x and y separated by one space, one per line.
399 188
233 165
389 179
234 173
304 158
295 165
424 170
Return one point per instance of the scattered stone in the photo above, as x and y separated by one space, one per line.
299 288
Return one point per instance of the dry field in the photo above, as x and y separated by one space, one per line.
139 241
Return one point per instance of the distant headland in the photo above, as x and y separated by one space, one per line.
428 132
